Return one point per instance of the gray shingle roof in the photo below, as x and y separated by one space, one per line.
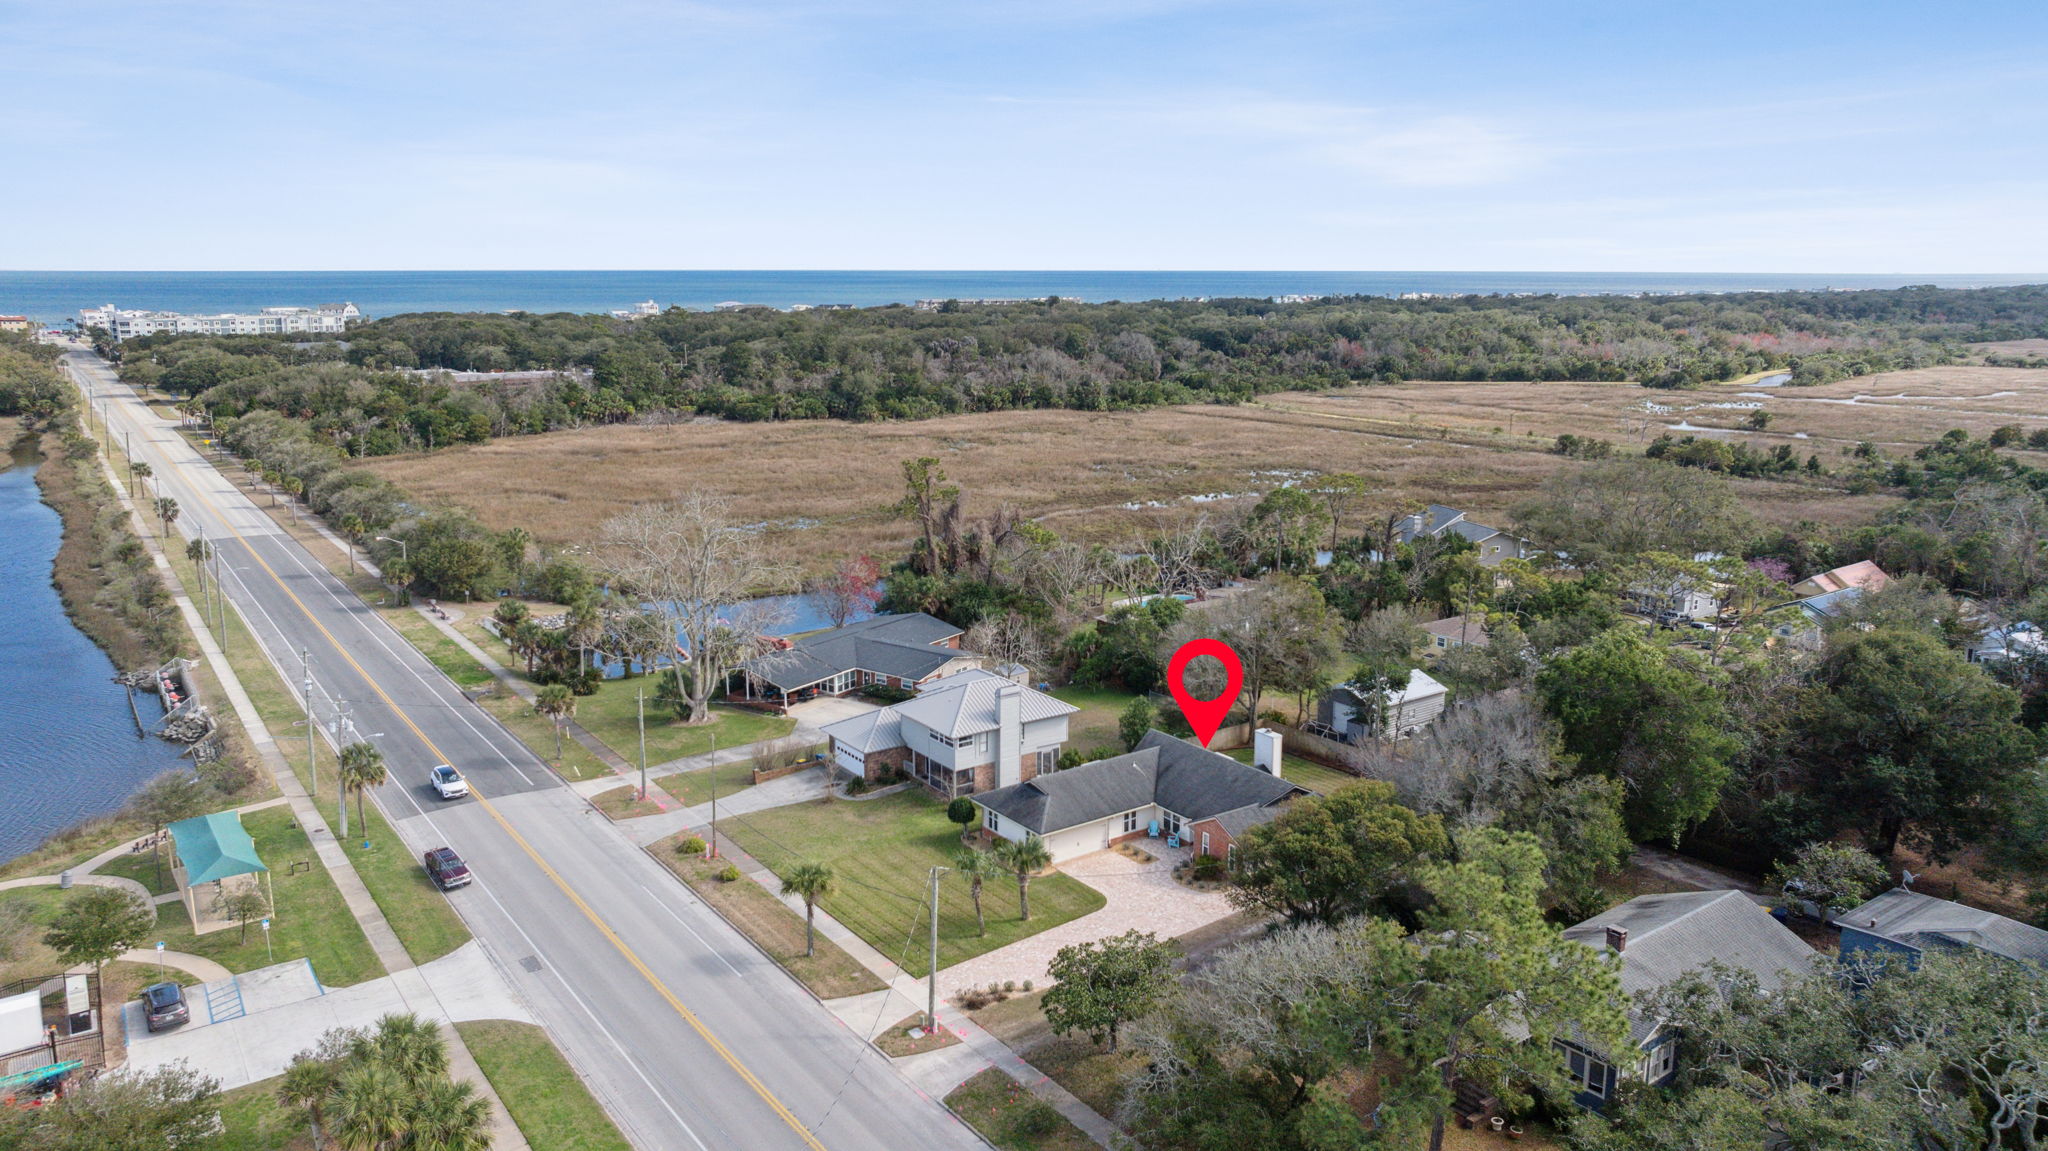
907 646
1236 823
1177 775
1920 921
1672 934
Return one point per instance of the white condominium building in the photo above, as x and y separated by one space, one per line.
123 323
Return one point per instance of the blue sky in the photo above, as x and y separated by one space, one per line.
1841 137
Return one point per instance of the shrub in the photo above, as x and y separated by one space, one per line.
1027 985
961 811
1009 985
857 786
692 845
730 873
1208 867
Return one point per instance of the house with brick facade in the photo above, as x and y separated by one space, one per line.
904 650
968 732
1166 786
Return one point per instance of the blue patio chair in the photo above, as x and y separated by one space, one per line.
1173 841
1152 830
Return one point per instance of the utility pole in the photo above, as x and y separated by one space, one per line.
640 705
931 994
312 765
713 769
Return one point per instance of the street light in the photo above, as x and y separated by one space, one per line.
403 552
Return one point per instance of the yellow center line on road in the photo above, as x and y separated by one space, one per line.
589 912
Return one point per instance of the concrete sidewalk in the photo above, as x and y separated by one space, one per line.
505 1134
801 787
284 1011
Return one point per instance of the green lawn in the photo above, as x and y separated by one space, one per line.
142 867
1095 725
881 852
310 919
1295 769
610 716
694 787
253 1121
552 1107
1012 1118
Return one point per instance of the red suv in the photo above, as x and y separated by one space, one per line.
447 869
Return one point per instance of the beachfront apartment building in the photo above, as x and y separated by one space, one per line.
127 323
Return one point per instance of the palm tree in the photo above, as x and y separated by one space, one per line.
137 471
448 1116
407 1044
362 767
353 527
371 1102
310 1083
813 881
1023 857
978 867
558 703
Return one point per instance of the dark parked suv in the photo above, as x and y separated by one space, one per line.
163 1005
447 869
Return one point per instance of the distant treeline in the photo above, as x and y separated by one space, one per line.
904 363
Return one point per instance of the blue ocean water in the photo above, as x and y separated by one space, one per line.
53 297
68 745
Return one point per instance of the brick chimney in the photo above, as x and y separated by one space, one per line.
1617 938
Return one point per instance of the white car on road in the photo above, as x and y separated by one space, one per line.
448 782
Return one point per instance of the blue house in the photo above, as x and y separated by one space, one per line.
1907 923
1660 938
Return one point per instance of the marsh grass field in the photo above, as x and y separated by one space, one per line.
822 488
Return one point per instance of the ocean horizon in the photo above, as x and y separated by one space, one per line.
53 297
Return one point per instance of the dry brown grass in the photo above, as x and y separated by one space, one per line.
895 1042
823 487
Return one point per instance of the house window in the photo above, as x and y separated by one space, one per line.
1586 1073
1657 1064
994 822
1169 822
1130 822
1205 843
1048 760
945 740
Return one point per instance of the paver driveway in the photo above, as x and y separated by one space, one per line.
1143 896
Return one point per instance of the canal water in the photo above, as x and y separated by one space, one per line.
68 746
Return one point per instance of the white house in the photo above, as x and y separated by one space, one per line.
1354 712
1166 787
969 732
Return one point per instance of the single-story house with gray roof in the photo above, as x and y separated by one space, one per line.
1184 789
1908 923
1659 938
903 650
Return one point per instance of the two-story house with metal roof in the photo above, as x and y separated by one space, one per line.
970 732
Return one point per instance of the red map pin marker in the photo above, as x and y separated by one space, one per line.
1204 715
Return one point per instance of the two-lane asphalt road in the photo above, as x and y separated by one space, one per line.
690 1038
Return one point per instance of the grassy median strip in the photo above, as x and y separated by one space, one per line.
553 1108
774 928
1012 1118
881 852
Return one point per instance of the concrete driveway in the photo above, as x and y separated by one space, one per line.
1142 896
830 709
